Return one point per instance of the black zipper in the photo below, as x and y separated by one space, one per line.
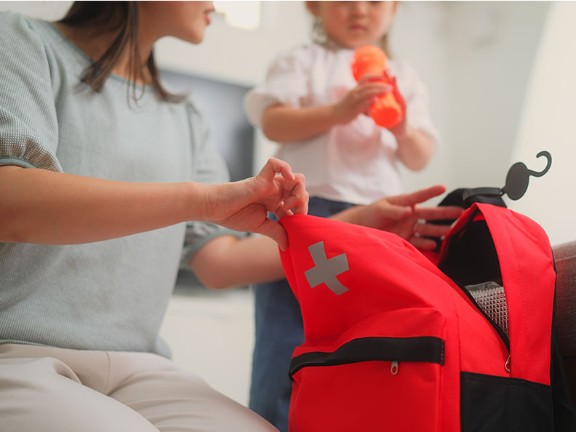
412 349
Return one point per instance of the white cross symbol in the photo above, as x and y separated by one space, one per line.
326 270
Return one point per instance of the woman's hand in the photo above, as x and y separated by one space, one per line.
244 205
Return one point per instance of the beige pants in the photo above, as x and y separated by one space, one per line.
59 390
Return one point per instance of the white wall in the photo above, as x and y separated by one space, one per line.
237 55
419 36
212 334
548 123
492 49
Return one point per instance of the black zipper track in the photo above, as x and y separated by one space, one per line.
412 349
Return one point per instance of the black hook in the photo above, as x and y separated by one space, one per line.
518 177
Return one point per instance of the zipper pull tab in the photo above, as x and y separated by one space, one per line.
508 364
394 368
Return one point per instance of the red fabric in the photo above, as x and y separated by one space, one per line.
529 279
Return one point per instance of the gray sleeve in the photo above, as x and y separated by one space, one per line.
200 233
28 121
209 164
210 167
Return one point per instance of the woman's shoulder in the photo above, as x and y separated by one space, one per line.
36 44
18 30
9 17
16 23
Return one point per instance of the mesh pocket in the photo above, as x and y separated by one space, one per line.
491 298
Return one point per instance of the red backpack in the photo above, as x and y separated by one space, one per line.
397 342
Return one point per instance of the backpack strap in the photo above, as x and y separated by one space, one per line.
495 242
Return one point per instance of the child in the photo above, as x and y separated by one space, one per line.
312 106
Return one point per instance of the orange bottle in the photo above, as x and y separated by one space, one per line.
386 110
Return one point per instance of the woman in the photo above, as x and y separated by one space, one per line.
95 192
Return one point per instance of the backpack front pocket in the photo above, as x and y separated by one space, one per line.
370 383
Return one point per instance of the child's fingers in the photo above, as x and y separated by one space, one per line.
439 213
424 229
423 243
418 196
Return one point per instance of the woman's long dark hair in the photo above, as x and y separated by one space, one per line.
122 19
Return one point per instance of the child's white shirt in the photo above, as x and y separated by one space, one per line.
356 162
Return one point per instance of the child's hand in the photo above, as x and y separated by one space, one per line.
403 215
359 99
244 205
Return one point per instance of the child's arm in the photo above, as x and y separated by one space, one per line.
415 145
415 148
285 124
228 261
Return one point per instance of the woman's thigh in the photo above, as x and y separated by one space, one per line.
67 390
176 400
44 394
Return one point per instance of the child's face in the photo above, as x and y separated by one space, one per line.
354 23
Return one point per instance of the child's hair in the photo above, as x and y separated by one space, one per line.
319 36
122 18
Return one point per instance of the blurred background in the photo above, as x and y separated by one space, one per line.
501 82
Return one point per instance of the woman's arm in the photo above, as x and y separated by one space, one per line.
42 206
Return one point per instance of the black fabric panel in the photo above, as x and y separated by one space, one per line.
472 257
495 404
564 409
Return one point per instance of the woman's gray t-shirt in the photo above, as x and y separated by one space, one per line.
108 295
